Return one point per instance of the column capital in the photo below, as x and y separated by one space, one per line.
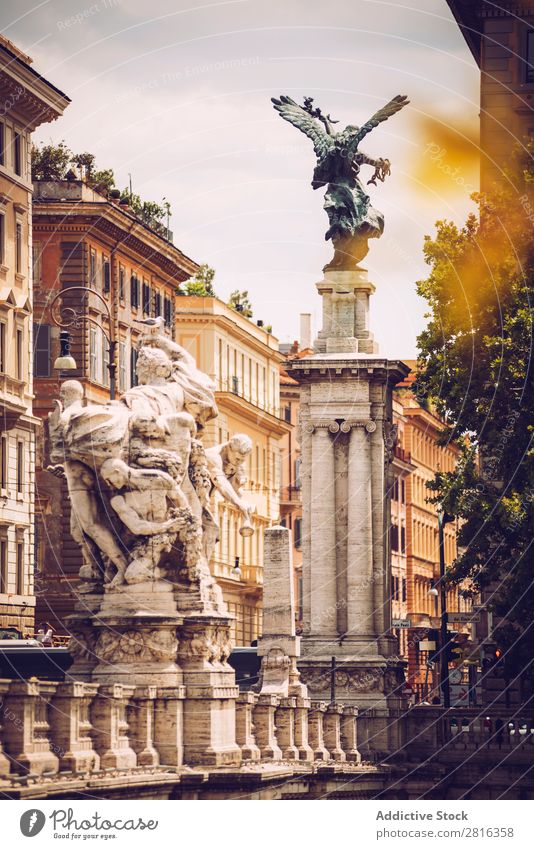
334 426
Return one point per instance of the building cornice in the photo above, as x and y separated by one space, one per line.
230 326
227 401
116 227
30 96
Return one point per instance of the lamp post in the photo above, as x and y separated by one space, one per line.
69 318
443 519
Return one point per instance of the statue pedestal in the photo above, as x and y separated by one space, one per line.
345 313
346 428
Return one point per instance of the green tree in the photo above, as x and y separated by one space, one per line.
201 284
50 161
476 367
240 302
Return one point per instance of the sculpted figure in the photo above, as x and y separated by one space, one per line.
226 466
151 506
198 389
161 443
88 525
353 220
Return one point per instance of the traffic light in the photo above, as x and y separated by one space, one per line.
453 652
492 656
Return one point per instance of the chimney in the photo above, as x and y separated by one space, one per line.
305 330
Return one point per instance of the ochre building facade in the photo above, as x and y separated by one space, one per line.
28 101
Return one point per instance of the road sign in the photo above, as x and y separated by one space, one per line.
459 695
401 623
462 618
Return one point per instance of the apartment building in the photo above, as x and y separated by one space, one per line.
27 100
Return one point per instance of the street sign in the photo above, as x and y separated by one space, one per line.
401 623
463 618
459 695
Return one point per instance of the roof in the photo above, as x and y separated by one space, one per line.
24 61
467 15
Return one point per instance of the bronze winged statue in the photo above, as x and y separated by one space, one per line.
353 221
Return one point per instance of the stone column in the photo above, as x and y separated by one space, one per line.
71 726
332 736
265 728
323 595
360 593
244 726
169 725
316 731
285 729
27 733
301 730
108 716
140 714
349 733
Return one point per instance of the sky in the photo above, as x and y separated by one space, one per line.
176 93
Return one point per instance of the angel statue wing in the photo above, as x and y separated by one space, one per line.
306 123
356 134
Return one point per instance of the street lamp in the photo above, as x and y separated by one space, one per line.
70 317
443 519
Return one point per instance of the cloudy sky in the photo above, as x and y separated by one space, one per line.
177 94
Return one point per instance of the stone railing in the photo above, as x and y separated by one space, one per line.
82 729
475 731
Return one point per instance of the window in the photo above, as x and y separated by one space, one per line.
41 356
20 354
394 538
167 311
21 582
3 565
20 467
133 363
92 268
2 347
235 384
146 299
37 265
297 533
403 540
529 76
287 413
2 143
93 354
106 274
17 153
105 360
122 367
122 282
404 590
134 291
3 462
298 481
157 304
18 247
2 238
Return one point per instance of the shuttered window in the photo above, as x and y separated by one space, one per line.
41 353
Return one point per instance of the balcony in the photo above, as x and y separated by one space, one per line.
290 494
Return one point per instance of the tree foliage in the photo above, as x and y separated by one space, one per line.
240 302
201 284
55 162
476 367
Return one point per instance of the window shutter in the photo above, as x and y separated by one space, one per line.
41 342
